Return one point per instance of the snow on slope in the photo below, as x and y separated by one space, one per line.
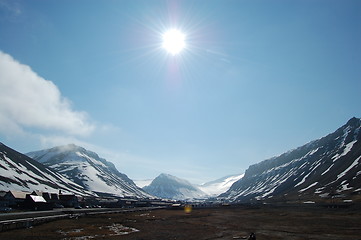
324 167
87 169
21 173
170 187
143 183
216 187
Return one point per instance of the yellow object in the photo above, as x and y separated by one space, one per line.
188 208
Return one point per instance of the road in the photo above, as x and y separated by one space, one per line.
16 220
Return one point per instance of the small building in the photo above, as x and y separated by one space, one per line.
2 195
68 200
142 204
50 197
46 196
54 197
36 203
4 204
126 203
16 198
37 193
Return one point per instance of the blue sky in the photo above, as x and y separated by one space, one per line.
257 78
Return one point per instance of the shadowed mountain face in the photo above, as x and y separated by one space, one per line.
20 172
87 169
171 187
323 168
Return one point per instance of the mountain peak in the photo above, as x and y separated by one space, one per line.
171 178
88 170
72 145
69 148
354 121
165 175
15 166
168 186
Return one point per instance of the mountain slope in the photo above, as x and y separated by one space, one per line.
143 183
171 187
320 169
216 187
87 169
21 173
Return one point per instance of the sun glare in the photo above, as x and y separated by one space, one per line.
173 41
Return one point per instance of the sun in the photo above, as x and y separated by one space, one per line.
173 41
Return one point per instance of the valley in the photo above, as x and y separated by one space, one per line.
202 120
269 222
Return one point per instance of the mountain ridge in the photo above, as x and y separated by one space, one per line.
22 173
87 169
319 169
170 187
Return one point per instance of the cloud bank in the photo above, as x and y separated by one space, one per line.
29 101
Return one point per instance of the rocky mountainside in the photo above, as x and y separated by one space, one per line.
21 173
88 170
170 187
326 168
216 187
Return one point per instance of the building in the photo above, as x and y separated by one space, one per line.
68 200
16 198
35 202
4 204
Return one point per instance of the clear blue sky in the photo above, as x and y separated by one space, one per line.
256 79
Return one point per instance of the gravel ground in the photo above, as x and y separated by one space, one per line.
216 223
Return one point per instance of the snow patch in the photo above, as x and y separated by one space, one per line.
312 185
347 149
303 180
348 169
219 186
143 183
328 169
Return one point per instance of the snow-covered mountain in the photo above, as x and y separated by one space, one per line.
143 183
321 169
170 187
216 187
20 173
87 169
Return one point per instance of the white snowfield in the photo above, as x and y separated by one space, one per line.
143 183
214 188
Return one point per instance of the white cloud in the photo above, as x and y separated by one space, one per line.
28 100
